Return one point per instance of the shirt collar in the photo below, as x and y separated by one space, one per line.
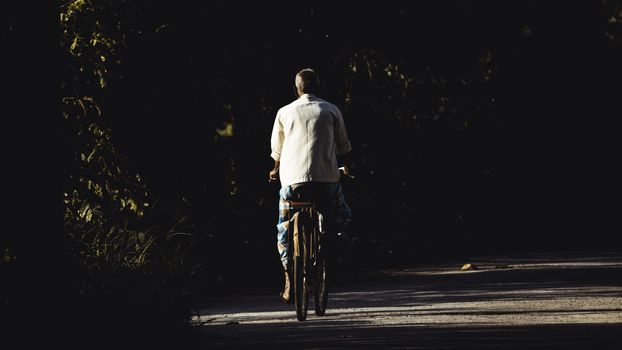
307 97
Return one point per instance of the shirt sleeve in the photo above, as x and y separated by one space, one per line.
278 136
342 142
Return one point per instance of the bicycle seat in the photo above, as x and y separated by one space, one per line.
305 194
301 204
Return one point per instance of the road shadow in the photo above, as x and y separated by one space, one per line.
328 335
442 307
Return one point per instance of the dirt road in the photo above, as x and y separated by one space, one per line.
538 301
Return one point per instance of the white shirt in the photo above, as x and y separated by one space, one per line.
306 138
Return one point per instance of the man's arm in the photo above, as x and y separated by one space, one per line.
274 173
343 146
342 142
344 161
276 143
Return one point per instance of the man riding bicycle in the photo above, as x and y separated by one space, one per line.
307 136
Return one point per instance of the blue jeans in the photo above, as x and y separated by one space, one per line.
329 201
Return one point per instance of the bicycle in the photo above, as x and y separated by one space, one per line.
308 258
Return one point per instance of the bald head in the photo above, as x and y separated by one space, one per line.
307 82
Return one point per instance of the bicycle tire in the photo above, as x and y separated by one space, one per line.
320 295
301 295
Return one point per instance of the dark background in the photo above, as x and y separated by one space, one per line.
477 127
501 141
527 174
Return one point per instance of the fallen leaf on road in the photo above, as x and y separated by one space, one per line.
466 267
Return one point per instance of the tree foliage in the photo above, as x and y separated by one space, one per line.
112 217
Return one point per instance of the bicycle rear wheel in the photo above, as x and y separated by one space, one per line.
320 295
301 295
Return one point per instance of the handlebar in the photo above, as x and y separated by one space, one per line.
343 171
